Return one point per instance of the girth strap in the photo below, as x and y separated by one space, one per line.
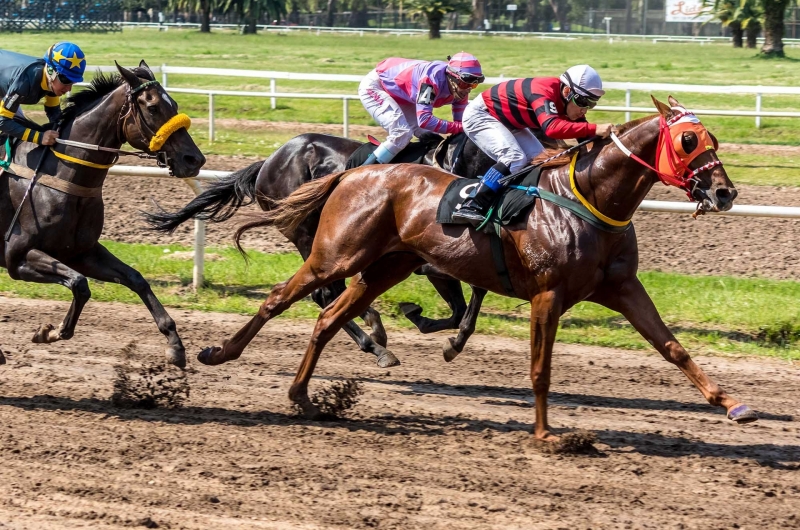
499 258
55 183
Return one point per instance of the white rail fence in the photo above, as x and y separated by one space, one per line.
783 212
758 90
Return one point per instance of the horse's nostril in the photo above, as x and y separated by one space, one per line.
725 195
191 161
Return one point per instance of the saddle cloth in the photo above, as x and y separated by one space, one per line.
511 204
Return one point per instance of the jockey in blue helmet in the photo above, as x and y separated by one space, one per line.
25 80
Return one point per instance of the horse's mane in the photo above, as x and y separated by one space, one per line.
80 101
564 160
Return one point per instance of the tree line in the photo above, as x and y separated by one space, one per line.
745 19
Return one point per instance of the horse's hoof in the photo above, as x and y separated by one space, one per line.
45 334
742 414
410 310
176 356
386 359
2 358
449 350
208 356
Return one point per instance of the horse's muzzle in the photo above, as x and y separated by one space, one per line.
716 200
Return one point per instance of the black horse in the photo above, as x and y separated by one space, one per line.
55 238
311 156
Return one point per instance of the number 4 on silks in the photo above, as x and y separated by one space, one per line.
426 94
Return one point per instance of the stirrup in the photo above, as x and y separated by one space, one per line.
472 215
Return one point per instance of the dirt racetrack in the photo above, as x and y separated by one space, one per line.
430 445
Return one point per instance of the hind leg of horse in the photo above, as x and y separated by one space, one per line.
375 343
450 290
379 277
38 267
635 304
384 358
545 312
452 347
100 264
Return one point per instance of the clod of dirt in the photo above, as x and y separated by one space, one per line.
148 386
2 358
334 400
147 523
579 442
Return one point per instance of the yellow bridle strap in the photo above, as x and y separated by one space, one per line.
179 121
586 203
86 163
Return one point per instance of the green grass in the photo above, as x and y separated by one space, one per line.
709 314
307 52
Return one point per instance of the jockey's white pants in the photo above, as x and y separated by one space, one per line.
514 148
400 121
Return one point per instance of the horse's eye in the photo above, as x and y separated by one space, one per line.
688 141
152 109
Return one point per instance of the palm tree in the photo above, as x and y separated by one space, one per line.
435 10
774 11
740 16
204 7
250 11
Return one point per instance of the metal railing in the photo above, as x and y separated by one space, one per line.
784 212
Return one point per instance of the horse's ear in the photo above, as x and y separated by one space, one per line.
663 109
673 102
143 64
128 76
713 140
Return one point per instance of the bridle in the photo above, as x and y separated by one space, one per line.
156 140
672 161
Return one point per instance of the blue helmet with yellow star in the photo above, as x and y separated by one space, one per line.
66 59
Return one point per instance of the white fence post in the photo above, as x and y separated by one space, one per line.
163 76
346 116
758 109
628 104
211 118
272 101
199 253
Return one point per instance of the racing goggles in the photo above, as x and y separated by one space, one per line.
584 102
64 80
466 80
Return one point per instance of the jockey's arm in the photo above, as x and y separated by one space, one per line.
8 108
425 118
458 109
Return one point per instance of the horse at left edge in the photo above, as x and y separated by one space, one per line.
54 239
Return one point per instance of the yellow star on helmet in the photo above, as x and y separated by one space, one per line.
58 56
74 61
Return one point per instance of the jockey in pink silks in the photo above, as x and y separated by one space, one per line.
400 94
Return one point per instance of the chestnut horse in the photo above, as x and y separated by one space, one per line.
378 225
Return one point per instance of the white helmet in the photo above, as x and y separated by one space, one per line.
584 81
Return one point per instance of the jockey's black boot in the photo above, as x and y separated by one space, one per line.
474 207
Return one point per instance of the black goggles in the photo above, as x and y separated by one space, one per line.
64 80
466 79
583 102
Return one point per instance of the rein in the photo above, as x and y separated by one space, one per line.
156 142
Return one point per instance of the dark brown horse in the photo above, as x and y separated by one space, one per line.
55 239
378 225
312 156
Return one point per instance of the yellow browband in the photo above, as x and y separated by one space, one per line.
179 121
86 163
586 203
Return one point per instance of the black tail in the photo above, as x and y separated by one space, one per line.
218 203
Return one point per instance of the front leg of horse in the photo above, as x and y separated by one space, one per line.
102 265
545 312
38 267
635 304
450 290
454 346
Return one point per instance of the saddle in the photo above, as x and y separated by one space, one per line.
508 207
